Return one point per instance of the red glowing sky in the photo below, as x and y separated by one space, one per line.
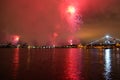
45 20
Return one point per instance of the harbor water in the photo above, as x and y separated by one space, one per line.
59 64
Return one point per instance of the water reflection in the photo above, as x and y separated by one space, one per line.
15 63
73 65
28 59
60 64
107 64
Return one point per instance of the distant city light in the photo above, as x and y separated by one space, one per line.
107 36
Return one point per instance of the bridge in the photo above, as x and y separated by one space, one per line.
104 42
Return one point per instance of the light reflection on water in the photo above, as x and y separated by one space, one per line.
60 64
15 63
28 59
73 63
107 64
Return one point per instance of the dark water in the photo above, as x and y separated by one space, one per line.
59 64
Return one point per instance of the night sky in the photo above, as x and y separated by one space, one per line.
42 20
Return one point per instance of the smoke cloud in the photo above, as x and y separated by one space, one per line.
40 20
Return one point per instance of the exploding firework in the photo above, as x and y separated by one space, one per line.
71 10
71 20
43 21
15 39
70 42
70 13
